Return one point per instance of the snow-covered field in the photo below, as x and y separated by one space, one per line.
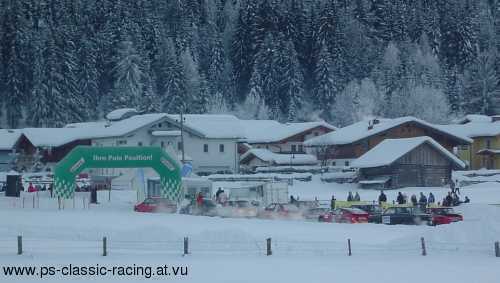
233 250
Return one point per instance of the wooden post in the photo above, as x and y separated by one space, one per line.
268 247
186 245
497 249
349 247
23 202
73 202
59 203
33 200
424 251
109 193
104 246
19 245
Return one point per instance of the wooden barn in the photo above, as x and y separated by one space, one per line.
410 162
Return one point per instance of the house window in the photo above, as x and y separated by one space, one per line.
179 146
139 143
488 143
346 163
162 144
121 142
334 163
301 148
159 125
316 134
205 148
221 148
294 148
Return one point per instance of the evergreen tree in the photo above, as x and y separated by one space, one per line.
326 88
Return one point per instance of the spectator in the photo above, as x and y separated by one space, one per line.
350 197
423 200
292 200
332 202
448 200
457 186
31 188
431 198
414 200
357 197
199 199
382 197
400 198
452 186
467 200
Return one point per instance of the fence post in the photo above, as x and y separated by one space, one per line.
349 247
23 202
104 246
19 245
268 249
422 241
497 249
186 245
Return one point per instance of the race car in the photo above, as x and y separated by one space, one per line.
345 215
444 215
156 205
374 211
405 215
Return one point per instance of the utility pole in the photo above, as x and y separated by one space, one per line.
182 136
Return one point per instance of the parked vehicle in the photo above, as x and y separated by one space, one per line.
315 213
444 215
350 215
207 208
156 205
280 211
238 208
374 211
405 215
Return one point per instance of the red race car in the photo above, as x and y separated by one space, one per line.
444 215
345 215
156 205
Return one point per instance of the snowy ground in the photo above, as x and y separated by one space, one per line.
232 250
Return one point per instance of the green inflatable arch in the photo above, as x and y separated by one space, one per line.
83 157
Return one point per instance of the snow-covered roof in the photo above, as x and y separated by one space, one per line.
268 131
211 125
475 118
474 129
360 130
9 138
120 114
390 150
52 137
174 133
278 158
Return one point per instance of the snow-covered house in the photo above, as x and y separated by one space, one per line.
341 147
8 141
484 152
281 138
210 141
406 162
258 157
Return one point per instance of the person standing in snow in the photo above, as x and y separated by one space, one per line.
292 200
382 197
431 198
350 197
414 200
31 188
199 199
457 187
357 197
452 186
423 200
332 202
400 199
